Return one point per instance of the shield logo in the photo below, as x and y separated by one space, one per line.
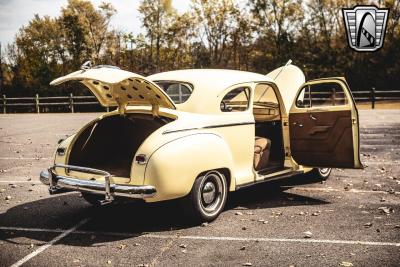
365 27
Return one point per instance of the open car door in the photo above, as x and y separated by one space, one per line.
116 87
324 125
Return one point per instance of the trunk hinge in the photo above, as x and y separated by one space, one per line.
155 109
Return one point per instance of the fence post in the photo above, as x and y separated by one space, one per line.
373 97
37 103
71 102
4 104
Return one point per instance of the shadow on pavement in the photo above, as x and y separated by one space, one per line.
131 219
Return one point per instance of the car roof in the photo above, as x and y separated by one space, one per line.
208 84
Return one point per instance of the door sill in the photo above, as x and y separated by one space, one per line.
285 173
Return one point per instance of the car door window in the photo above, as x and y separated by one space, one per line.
321 95
236 100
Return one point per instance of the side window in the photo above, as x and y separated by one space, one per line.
321 95
236 100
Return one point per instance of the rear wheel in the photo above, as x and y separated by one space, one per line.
321 173
207 198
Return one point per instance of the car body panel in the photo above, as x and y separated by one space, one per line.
326 136
288 79
115 87
201 137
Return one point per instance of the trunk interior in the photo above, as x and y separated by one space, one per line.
111 143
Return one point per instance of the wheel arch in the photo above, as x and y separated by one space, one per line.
174 167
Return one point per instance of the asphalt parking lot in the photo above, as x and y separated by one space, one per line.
353 219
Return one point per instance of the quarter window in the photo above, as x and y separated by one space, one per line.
236 100
321 95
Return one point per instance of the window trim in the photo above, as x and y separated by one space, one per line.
248 96
308 84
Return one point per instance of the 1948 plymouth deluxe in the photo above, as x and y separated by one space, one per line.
198 134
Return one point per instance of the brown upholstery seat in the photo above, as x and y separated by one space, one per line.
262 147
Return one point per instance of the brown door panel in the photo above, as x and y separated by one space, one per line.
322 139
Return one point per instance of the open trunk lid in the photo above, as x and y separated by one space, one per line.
288 78
116 87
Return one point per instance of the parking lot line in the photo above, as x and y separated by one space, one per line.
50 243
18 181
22 158
339 190
210 238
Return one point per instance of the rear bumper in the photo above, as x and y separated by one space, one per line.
61 184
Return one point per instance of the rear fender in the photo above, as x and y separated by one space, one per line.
173 167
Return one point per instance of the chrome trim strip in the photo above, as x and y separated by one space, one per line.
209 127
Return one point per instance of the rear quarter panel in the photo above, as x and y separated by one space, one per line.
174 166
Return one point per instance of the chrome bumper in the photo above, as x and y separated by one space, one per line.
61 184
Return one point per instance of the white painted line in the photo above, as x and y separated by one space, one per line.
338 190
210 238
20 158
18 182
49 244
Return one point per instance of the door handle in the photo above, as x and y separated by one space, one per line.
312 117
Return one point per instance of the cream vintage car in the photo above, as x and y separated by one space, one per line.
198 134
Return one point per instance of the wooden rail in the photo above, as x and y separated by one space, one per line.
72 101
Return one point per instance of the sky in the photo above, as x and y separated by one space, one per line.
16 13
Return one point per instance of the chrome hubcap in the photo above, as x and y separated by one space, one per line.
209 192
324 171
212 192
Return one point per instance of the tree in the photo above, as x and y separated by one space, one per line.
216 22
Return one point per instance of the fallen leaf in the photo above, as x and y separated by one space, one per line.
182 246
244 228
367 225
204 224
307 234
238 213
247 264
7 197
243 248
346 264
108 262
386 210
122 246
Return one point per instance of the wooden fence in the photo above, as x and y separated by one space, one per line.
69 103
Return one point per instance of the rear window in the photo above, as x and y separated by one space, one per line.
179 92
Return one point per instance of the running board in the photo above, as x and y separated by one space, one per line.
271 177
